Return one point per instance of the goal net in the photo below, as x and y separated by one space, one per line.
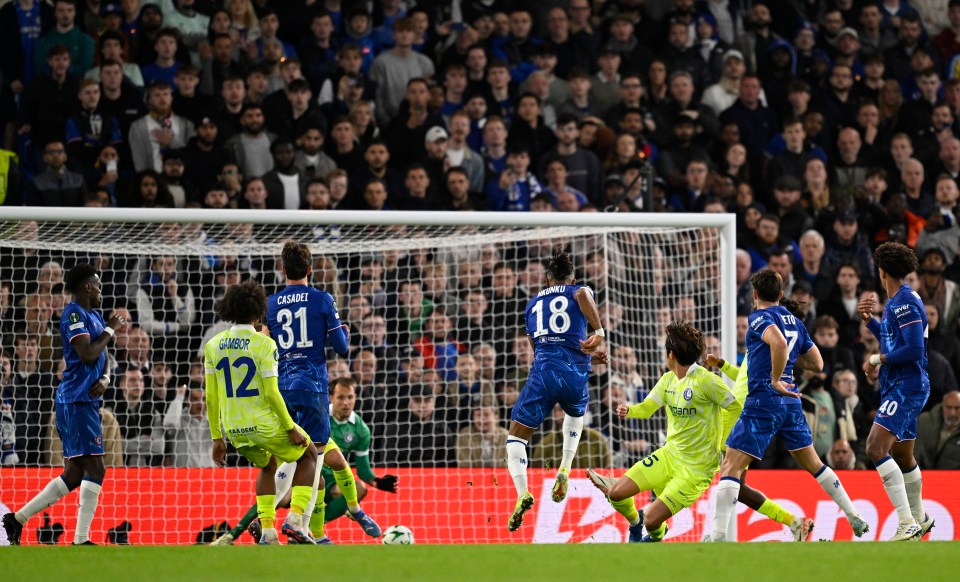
435 304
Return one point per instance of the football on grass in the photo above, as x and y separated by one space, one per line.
398 534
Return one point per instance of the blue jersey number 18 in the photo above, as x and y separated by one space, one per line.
559 320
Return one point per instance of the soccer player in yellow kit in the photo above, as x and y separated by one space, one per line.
681 470
240 365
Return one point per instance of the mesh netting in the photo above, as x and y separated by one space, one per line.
440 307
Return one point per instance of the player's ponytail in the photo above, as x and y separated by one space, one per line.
560 265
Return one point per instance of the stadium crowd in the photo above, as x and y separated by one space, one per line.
828 127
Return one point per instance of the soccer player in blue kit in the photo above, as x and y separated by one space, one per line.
303 320
556 319
904 387
79 397
776 339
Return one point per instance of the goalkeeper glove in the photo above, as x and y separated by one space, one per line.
387 483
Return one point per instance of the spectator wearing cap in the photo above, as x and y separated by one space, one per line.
393 69
159 131
725 92
435 162
204 156
251 147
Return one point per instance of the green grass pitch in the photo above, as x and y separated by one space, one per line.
857 562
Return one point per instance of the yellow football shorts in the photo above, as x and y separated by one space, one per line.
258 450
669 479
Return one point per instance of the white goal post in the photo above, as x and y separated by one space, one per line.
409 273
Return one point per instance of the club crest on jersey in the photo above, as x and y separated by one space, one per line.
74 317
348 437
688 394
98 440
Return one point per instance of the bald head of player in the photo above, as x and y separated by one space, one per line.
243 304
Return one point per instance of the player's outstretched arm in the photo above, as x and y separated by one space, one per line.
778 359
645 409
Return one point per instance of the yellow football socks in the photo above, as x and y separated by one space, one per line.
776 512
628 509
348 488
299 498
266 511
316 520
